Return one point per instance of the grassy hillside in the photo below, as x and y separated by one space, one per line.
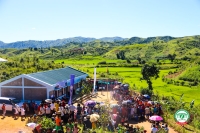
183 48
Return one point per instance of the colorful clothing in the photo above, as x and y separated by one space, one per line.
69 128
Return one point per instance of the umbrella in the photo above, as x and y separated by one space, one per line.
156 118
31 125
114 105
126 102
48 100
90 103
94 117
146 96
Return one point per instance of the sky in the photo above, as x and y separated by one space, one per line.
22 20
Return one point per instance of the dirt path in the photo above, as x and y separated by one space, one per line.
174 75
102 97
9 125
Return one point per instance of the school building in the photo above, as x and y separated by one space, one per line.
41 85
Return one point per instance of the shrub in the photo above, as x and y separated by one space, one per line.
128 61
47 123
146 91
182 83
103 75
102 62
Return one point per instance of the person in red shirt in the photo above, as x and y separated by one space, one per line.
4 109
63 103
38 109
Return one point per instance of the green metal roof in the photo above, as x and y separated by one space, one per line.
57 75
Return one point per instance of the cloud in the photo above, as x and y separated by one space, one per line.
33 28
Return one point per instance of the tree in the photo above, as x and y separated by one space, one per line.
143 62
21 60
139 60
172 57
158 60
128 61
118 57
148 72
87 86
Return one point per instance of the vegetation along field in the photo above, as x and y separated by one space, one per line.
177 59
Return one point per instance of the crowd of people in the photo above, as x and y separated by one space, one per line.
130 107
136 107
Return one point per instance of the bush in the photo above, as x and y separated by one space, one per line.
102 75
47 123
146 91
128 61
182 83
102 62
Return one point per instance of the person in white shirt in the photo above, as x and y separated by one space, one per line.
22 113
52 106
61 109
147 112
16 112
48 111
154 129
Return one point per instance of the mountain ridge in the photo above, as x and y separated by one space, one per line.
79 39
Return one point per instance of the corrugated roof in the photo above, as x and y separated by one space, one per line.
57 75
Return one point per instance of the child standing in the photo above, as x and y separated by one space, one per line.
22 113
4 109
16 112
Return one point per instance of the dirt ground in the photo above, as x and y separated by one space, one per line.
9 125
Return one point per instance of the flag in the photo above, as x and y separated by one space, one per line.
107 70
71 88
94 80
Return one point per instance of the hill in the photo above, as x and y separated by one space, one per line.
61 42
159 48
58 42
185 48
44 44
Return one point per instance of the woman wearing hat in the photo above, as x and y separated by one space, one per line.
58 121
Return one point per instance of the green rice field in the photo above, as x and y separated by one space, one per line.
132 75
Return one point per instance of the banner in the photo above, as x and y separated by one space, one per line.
71 88
94 80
